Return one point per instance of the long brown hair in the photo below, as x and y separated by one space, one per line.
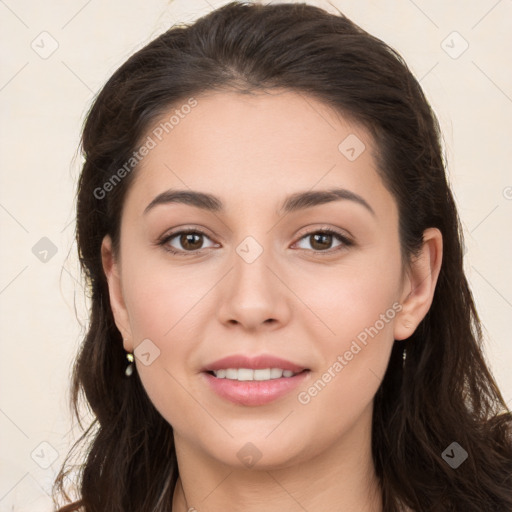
444 394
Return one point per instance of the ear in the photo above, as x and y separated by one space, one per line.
420 284
112 272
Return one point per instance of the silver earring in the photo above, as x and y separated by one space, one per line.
129 368
404 356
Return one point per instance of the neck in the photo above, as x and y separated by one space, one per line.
341 478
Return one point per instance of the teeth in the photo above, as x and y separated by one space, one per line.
276 373
261 374
232 373
243 374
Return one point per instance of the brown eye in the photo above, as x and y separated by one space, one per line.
182 242
190 241
322 240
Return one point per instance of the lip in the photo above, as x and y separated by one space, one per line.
254 393
258 362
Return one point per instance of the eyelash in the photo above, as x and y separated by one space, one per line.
346 242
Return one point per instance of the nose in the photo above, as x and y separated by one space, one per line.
254 294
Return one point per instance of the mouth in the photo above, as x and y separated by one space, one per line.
251 375
253 381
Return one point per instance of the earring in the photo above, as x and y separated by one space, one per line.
129 368
404 356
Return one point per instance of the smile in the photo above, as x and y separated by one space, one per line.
244 374
249 387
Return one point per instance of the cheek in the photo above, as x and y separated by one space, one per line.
165 305
355 361
161 298
359 306
351 297
161 317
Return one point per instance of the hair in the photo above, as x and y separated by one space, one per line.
445 392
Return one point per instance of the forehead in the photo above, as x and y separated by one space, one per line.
255 148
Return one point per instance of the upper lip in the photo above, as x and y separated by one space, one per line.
257 362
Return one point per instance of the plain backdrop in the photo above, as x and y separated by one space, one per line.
56 55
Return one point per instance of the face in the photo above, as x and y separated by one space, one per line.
259 275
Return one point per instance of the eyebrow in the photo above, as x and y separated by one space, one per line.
292 203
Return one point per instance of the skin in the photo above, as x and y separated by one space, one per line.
293 302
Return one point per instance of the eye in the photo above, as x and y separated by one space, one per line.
321 240
190 241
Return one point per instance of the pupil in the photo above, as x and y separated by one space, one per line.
187 240
322 237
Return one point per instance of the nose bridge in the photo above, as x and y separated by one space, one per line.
252 259
254 294
252 239
250 249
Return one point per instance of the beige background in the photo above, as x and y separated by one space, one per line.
44 99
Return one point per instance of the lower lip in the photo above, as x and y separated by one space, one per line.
254 392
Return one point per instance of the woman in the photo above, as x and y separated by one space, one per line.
280 319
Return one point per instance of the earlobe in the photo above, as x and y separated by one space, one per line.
113 275
420 284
